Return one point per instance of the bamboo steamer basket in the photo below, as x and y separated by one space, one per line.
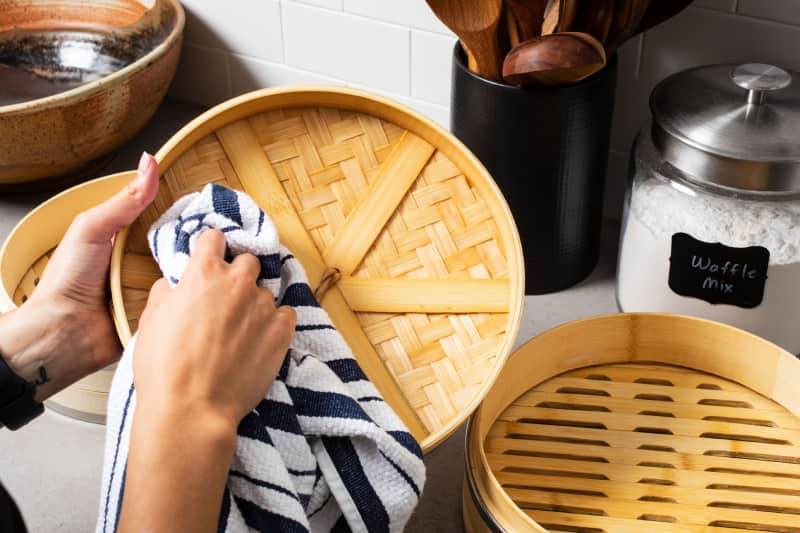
638 422
23 258
420 245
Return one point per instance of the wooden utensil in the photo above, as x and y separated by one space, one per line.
659 11
529 15
594 18
551 18
512 30
627 17
556 59
476 25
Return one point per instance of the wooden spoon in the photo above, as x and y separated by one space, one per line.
550 24
567 13
627 17
593 17
555 59
529 15
659 10
475 22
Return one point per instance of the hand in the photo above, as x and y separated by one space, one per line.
65 326
206 353
214 344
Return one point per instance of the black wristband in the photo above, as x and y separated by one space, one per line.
18 405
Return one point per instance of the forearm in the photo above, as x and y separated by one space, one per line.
41 336
177 468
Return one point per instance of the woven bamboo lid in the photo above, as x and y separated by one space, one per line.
629 423
23 258
431 288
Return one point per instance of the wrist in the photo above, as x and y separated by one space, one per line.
196 419
36 340
167 421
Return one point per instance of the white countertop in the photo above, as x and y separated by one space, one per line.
52 467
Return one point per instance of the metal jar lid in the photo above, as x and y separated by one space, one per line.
737 126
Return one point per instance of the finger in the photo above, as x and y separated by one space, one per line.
248 264
289 319
158 292
99 224
266 293
279 337
210 245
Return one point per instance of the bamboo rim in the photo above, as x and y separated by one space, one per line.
694 343
41 229
361 102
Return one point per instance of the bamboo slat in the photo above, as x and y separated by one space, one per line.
606 440
428 262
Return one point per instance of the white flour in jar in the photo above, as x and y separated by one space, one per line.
660 208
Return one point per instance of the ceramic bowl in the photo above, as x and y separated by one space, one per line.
78 78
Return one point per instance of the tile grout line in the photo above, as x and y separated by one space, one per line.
410 62
281 16
639 56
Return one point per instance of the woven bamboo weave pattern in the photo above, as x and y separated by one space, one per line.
31 278
421 266
637 447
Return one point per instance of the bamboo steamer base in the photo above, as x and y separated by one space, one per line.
421 247
636 442
23 259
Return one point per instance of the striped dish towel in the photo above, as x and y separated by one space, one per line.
322 451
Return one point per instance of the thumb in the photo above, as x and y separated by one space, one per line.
99 224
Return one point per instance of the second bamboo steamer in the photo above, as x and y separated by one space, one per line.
425 252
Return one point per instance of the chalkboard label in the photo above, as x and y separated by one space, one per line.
717 273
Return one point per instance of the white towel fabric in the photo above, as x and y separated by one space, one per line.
322 451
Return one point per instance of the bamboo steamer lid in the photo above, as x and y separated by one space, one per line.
23 258
421 245
638 422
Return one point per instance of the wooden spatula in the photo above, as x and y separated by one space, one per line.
475 22
529 15
590 16
627 17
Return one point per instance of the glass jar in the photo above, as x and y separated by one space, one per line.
711 226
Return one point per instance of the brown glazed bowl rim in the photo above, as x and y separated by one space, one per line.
458 60
89 89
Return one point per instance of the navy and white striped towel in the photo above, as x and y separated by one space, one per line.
322 451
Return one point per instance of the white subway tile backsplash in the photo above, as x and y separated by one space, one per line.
330 4
400 49
786 11
413 13
720 5
202 76
251 27
631 103
439 113
249 74
365 51
431 58
702 37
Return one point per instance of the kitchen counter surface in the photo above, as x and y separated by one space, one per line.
53 466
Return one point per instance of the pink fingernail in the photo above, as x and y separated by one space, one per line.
144 164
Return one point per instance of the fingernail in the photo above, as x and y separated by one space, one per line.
144 165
